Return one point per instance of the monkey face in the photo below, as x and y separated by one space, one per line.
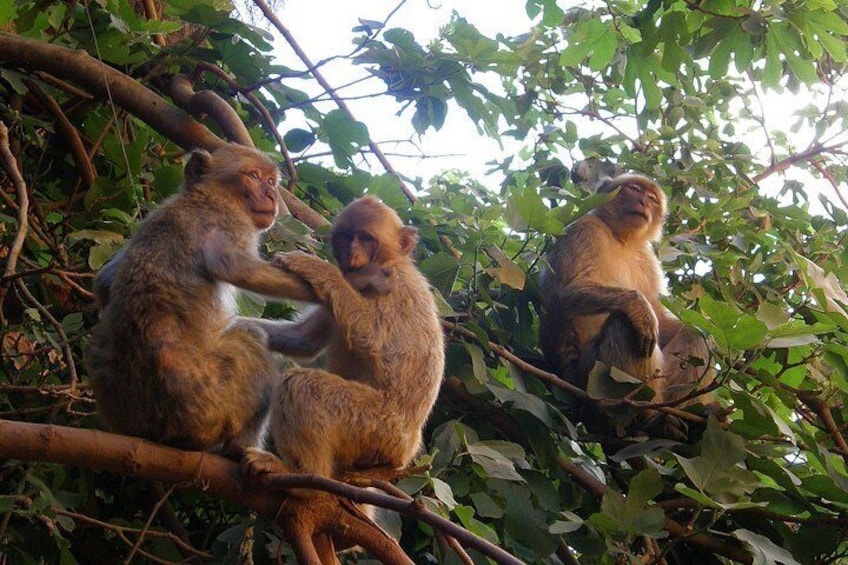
354 249
638 202
261 195
638 209
369 232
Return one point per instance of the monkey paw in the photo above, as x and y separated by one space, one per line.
310 267
256 462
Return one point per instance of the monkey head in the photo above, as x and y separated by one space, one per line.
245 177
368 232
637 211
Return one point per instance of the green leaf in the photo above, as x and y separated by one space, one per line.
718 470
345 137
443 492
507 272
494 458
298 139
441 270
8 12
764 551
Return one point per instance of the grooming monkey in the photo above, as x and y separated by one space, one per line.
601 298
167 361
384 354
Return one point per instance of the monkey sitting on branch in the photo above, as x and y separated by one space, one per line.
167 361
601 296
384 354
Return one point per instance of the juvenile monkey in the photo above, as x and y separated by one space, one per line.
384 354
167 362
601 298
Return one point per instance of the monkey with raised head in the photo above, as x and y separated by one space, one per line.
601 298
384 353
167 360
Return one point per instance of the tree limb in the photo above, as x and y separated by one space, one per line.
102 80
208 102
302 518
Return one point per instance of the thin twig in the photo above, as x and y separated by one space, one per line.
10 165
143 533
266 10
57 326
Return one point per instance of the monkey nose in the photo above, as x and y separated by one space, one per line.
357 261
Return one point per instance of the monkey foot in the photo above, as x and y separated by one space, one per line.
256 462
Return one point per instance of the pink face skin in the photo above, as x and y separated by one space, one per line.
637 211
262 195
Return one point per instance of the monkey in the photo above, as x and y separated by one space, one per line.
384 352
168 361
601 294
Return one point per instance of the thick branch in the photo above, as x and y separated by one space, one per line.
219 477
209 103
78 66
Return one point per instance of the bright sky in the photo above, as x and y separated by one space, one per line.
458 137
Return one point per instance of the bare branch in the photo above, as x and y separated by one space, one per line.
10 165
78 66
331 91
219 477
207 102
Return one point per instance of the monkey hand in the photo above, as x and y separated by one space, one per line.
256 462
320 274
647 327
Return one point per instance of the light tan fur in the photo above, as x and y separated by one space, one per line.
167 361
601 298
384 352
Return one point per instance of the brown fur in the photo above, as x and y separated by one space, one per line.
601 297
167 362
384 351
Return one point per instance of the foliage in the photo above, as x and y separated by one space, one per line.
670 88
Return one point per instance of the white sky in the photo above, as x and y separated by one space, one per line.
458 138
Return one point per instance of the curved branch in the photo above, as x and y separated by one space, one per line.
208 102
72 136
10 165
78 66
219 477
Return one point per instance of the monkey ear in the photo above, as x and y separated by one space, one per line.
408 239
197 167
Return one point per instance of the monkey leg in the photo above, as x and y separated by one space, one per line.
614 346
682 348
220 395
325 424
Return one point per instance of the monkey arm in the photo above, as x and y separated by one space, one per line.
226 262
305 338
587 298
351 311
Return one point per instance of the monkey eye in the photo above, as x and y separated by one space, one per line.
254 175
637 188
366 237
